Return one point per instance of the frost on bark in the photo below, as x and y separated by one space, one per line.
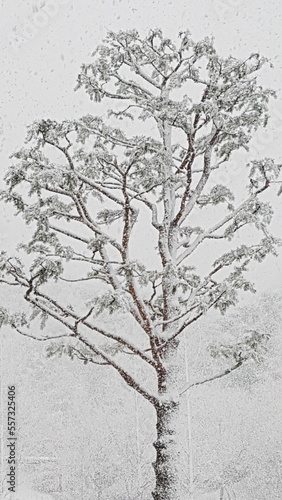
167 463
82 184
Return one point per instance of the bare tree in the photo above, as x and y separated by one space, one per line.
203 107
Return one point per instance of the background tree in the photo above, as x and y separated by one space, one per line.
108 190
234 419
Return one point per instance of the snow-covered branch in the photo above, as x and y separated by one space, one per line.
214 377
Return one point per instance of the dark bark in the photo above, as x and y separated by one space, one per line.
166 465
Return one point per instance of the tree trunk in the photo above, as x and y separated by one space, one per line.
167 464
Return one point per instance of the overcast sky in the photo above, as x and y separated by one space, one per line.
41 54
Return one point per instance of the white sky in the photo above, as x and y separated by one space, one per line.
38 74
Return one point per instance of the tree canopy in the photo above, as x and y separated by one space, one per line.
89 189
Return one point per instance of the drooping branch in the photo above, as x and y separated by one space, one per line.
83 321
52 308
123 373
74 328
40 339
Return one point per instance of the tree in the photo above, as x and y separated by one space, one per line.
108 189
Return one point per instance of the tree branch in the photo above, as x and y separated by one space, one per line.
209 232
187 207
125 375
104 333
40 339
215 377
